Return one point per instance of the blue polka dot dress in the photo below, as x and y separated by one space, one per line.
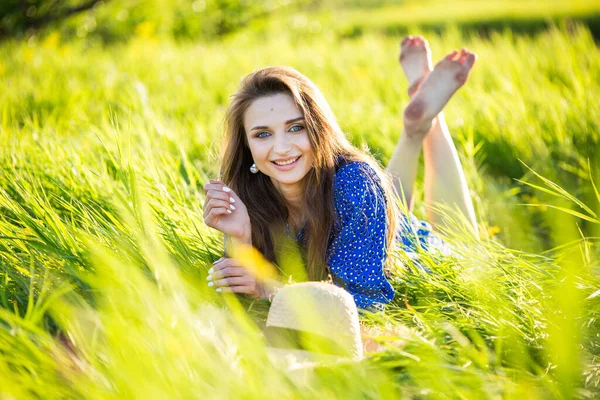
357 250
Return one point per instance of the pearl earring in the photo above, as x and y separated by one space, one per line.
254 169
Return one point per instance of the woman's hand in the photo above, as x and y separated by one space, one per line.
225 212
228 275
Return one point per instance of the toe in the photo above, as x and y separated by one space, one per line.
451 55
470 60
463 55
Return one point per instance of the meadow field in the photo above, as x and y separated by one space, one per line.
105 147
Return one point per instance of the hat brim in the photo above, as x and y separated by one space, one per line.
300 364
293 358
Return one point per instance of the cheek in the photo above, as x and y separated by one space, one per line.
303 143
307 147
258 152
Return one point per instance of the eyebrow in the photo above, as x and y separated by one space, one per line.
286 122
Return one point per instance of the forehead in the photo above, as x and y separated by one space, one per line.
271 111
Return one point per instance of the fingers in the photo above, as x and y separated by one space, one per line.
220 187
227 276
218 190
220 260
211 215
217 185
232 281
219 194
222 263
219 201
227 272
237 289
216 203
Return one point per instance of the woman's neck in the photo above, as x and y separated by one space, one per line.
294 196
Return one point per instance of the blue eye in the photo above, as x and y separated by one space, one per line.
300 127
262 134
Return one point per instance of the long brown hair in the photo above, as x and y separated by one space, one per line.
266 206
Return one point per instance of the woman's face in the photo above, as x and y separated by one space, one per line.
278 139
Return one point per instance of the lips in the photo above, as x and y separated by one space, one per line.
289 161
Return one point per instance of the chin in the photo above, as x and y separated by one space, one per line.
289 179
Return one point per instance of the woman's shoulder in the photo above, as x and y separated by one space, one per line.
357 187
355 174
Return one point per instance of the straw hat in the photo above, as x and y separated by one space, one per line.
313 322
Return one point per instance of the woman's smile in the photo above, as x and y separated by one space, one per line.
286 164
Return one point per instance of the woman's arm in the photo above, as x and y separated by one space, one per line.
225 212
357 253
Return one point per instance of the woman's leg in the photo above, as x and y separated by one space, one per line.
445 180
425 127
415 59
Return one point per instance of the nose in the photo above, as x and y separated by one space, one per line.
282 144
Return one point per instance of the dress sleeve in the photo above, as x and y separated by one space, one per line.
357 251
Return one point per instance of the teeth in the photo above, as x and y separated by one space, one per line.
288 162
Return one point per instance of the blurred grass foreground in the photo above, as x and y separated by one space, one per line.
110 124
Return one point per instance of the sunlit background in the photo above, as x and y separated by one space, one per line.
110 124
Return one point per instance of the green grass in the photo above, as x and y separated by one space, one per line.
441 12
113 22
103 152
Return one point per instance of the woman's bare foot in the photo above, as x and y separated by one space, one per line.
415 58
435 91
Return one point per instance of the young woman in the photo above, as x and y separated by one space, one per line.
288 167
